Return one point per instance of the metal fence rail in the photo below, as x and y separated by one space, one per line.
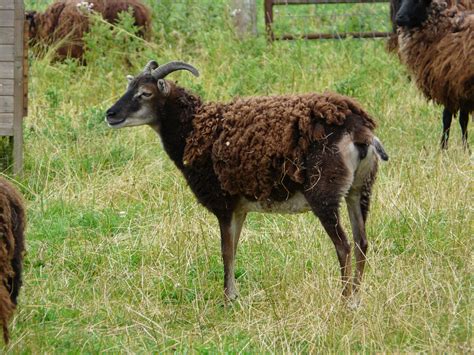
269 20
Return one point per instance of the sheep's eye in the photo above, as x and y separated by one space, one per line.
146 94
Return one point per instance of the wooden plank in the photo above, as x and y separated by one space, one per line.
6 119
6 87
7 5
7 52
6 70
7 35
6 131
6 18
6 104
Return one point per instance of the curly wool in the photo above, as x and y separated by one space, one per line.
440 56
12 223
66 20
255 142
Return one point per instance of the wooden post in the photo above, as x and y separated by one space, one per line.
244 13
268 13
26 39
19 24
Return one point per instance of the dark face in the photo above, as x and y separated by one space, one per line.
412 13
32 28
140 103
146 95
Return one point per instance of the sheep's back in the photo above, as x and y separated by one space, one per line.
139 11
254 143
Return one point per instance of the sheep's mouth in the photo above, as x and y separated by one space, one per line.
113 123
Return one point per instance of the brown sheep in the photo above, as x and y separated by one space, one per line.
436 43
12 246
68 20
285 154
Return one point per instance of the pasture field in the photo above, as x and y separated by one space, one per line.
121 258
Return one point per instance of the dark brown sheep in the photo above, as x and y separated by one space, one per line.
437 46
68 20
286 154
12 246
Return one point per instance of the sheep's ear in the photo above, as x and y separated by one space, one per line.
163 87
129 78
30 17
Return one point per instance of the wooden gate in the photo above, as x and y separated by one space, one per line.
13 71
269 4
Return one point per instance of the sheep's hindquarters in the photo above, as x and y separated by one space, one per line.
347 172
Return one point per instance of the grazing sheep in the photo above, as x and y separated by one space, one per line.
436 43
285 154
68 20
12 246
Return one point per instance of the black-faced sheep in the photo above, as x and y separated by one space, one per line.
436 43
285 154
68 20
392 43
12 246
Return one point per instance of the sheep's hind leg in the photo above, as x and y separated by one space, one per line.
357 219
230 233
328 214
447 118
463 121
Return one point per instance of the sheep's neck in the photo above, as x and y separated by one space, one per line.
176 125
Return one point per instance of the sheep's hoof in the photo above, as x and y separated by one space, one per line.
231 297
354 302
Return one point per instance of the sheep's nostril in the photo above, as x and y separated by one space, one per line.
401 20
110 113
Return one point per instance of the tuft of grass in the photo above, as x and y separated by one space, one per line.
121 258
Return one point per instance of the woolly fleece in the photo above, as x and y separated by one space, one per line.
255 142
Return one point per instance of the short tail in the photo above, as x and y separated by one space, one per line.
379 149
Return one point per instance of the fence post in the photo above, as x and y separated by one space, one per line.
244 13
268 13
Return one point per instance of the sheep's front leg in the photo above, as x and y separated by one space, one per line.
447 118
463 121
230 233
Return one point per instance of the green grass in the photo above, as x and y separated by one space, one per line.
121 258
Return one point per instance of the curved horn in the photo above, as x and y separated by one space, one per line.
162 71
151 65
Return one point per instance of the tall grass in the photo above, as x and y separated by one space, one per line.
122 258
